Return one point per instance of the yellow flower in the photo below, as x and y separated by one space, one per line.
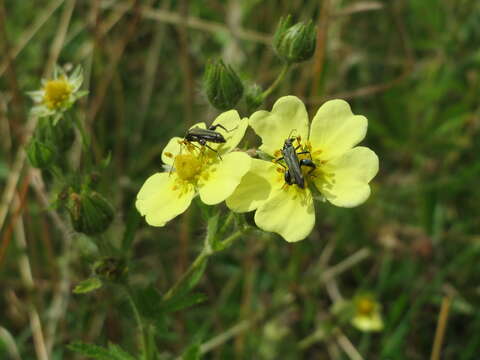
367 316
214 175
341 175
57 94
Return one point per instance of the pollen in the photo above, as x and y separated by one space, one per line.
57 93
365 306
187 166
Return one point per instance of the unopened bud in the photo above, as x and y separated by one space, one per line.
40 155
223 86
294 43
90 212
253 97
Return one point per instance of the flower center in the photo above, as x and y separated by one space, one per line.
187 166
365 306
57 93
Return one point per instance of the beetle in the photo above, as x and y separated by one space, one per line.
202 136
293 165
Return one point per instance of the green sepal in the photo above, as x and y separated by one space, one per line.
222 85
295 43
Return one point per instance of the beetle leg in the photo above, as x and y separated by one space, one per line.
309 163
214 127
215 151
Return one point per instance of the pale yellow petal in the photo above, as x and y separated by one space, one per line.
351 174
254 188
372 322
236 128
335 129
287 118
172 149
200 125
290 214
159 202
227 174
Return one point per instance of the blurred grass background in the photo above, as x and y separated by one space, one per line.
410 66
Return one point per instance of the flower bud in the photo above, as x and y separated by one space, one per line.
111 269
253 97
223 86
41 155
294 43
90 212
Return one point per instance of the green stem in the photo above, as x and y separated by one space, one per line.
200 260
229 240
85 139
277 82
197 263
85 142
140 324
227 222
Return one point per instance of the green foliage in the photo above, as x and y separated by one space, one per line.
113 352
88 285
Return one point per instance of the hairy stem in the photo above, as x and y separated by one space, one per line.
277 81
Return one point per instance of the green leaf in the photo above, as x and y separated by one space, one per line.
181 302
192 353
114 352
88 285
118 353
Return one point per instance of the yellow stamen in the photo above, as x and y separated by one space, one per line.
187 166
57 93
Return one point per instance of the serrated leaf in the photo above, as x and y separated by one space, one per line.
118 353
88 285
114 352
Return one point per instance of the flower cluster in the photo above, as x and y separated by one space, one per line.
299 162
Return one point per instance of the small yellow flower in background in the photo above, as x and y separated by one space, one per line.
367 316
214 175
342 171
58 94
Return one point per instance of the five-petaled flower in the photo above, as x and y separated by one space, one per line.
58 94
212 173
367 313
341 174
